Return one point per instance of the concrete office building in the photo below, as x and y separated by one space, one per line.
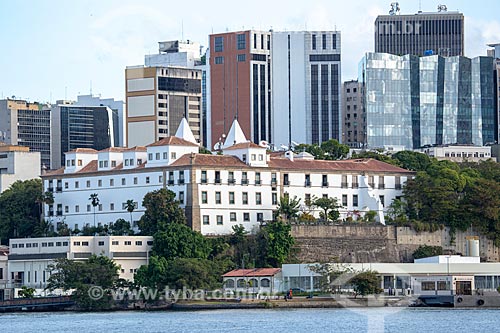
157 100
26 124
87 123
175 53
413 101
17 163
306 87
353 115
240 84
440 33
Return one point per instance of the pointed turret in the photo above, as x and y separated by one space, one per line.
184 132
234 136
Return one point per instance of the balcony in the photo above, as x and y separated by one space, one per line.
286 182
231 181
324 184
381 186
343 185
217 181
307 183
274 182
244 182
258 182
181 181
203 180
170 182
398 186
355 185
59 213
50 189
59 189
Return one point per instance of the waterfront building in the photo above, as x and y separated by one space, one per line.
26 124
412 101
4 270
29 258
17 163
240 84
253 280
241 186
423 33
88 123
353 115
459 153
306 87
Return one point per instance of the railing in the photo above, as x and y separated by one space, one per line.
257 182
170 182
217 181
307 183
286 182
343 185
355 185
274 182
244 182
324 184
181 181
59 213
231 181
398 186
59 189
381 186
203 181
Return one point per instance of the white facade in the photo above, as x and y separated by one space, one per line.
4 273
306 87
29 258
17 163
175 53
460 153
242 186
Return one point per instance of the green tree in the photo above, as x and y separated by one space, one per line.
94 201
179 241
97 271
121 228
153 275
130 205
412 160
26 292
19 211
332 275
278 242
425 251
397 212
161 210
288 208
203 150
333 150
366 283
330 207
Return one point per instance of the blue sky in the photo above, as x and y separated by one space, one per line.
56 49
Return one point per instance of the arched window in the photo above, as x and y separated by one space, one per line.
254 283
241 283
265 283
229 283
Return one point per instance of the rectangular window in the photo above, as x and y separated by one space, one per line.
230 178
124 182
173 155
88 208
257 178
219 60
181 198
217 177
128 242
218 198
258 198
334 42
232 217
203 177
219 220
77 209
147 180
242 57
246 217
324 181
355 200
85 243
428 285
381 184
88 183
204 197
260 217
206 220
442 285
99 183
231 198
382 200
219 44
170 178
307 182
274 198
371 181
398 182
286 182
150 156
273 178
314 42
138 243
241 41
111 206
111 182
135 180
245 198
181 177
343 184
77 184
244 178
76 243
101 243
115 243
323 41
344 200
355 181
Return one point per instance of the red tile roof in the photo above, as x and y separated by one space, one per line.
253 272
173 141
356 165
59 171
91 167
209 160
244 145
83 151
113 150
137 148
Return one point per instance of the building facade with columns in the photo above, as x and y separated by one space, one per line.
241 186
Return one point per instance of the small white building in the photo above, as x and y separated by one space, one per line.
17 163
29 258
253 280
4 269
459 153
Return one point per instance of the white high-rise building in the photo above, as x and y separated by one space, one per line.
306 87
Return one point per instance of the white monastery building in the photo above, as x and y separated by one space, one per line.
240 186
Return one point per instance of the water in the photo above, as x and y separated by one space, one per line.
261 320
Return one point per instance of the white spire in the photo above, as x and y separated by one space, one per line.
184 132
235 135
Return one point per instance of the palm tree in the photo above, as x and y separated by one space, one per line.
130 205
94 199
289 208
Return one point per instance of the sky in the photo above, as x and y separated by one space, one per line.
58 49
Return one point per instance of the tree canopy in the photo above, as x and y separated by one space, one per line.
161 209
328 150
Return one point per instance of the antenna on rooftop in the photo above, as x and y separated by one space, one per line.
90 87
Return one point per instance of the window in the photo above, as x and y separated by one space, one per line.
219 220
241 41
170 178
307 199
115 243
85 243
101 243
314 42
355 200
100 207
257 178
111 182
150 156
260 217
147 180
217 177
88 183
244 158
258 198
343 184
165 155
428 285
135 180
66 185
150 243
204 198
323 41
203 177
334 43
246 217
371 181
127 242
77 184
99 183
217 198
50 244
111 206
398 182
382 199
66 209
324 181
88 208
344 200
231 198
157 156
138 243
77 209
124 182
113 164
206 220
245 198
286 182
273 178
181 197
219 44
241 57
173 155
355 181
232 217
230 178
181 177
274 198
442 285
76 243
219 60
253 157
381 184
307 181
